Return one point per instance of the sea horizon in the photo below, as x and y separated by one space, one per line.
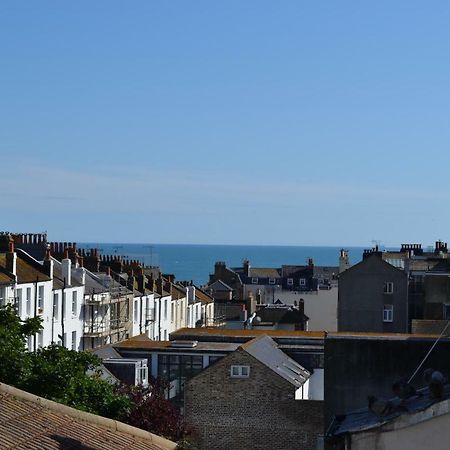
196 261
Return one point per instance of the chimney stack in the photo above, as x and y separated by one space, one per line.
66 267
48 263
11 259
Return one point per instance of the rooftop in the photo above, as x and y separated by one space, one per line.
26 271
28 421
265 350
365 419
141 342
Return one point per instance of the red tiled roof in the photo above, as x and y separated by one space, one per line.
28 421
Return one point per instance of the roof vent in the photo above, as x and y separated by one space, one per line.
184 344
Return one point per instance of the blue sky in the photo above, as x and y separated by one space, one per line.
255 122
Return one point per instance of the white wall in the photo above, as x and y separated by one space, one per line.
432 432
320 307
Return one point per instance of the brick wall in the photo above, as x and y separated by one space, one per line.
258 412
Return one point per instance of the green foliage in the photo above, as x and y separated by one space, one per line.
61 375
14 359
55 372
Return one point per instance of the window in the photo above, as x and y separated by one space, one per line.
446 310
302 282
290 281
41 299
28 308
388 313
271 280
135 312
55 306
165 335
40 339
30 343
74 303
254 280
181 312
2 295
388 287
171 313
74 340
19 301
240 371
165 309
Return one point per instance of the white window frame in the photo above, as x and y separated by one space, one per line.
74 340
28 301
302 282
55 306
272 280
290 281
254 280
41 293
388 313
74 303
388 287
19 301
135 312
239 371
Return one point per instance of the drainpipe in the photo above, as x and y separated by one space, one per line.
140 316
62 313
159 319
35 308
53 318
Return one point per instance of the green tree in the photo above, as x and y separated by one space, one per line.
54 372
73 378
15 362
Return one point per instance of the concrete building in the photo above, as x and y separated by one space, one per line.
373 296
418 422
253 398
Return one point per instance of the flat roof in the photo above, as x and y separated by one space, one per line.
214 331
166 346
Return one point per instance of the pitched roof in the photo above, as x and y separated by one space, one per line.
203 296
28 421
265 350
6 277
27 272
219 285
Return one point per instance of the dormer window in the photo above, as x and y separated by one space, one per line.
254 280
271 280
290 281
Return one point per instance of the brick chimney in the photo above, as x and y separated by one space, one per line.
48 263
11 259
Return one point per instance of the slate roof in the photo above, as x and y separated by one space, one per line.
364 419
220 286
265 350
28 421
58 278
92 284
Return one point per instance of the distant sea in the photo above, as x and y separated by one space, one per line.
196 262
